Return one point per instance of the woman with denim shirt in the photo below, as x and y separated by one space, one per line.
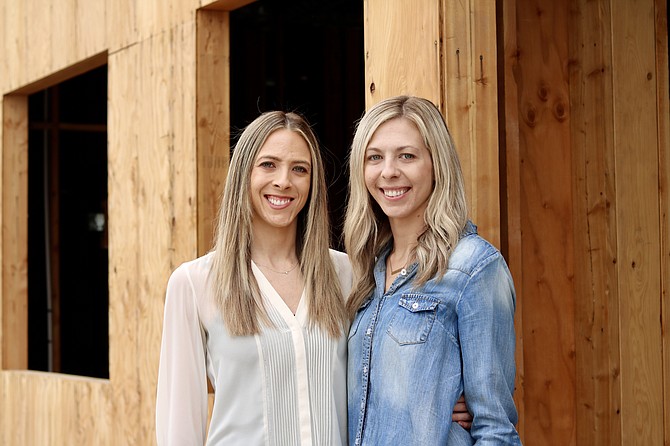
432 302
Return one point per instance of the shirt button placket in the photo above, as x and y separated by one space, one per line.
366 371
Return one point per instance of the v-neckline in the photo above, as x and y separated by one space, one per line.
276 300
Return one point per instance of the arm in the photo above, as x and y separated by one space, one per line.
486 331
181 401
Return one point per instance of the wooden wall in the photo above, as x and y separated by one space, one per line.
586 92
582 209
560 115
151 49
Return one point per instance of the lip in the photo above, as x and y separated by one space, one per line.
278 201
394 193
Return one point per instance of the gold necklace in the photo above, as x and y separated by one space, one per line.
399 270
278 272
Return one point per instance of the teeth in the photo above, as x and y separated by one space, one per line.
279 201
395 192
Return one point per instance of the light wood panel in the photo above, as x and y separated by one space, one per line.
14 233
132 21
546 222
470 104
597 306
401 49
50 409
152 210
637 215
213 118
41 38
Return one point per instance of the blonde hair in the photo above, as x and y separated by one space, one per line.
234 285
367 231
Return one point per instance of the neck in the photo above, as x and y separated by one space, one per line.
404 241
274 246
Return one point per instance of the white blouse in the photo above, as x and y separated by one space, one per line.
284 386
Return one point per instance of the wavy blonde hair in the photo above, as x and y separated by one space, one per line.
367 231
235 287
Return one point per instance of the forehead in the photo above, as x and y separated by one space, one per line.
396 132
285 144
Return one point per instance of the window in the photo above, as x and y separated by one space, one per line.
68 291
304 56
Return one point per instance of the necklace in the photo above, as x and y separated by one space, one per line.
400 270
278 272
396 271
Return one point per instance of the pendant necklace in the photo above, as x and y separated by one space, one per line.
400 270
278 272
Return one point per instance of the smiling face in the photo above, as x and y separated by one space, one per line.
280 179
398 172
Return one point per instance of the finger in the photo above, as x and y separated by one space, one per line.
465 425
460 407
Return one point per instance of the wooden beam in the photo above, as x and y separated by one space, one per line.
14 233
401 49
212 117
470 104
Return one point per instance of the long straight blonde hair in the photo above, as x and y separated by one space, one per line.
234 285
367 231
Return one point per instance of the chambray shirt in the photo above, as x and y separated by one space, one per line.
414 351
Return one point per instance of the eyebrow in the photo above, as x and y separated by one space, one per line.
396 149
276 158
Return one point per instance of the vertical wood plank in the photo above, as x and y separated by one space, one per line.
546 221
663 102
401 49
484 116
14 233
470 104
511 239
213 118
152 210
637 214
595 202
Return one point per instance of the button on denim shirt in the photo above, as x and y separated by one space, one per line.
414 351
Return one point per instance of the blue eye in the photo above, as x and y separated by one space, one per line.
266 164
407 156
301 169
374 157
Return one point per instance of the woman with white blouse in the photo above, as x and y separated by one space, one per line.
262 315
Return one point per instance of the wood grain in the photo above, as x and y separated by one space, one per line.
14 233
637 216
213 118
401 49
546 221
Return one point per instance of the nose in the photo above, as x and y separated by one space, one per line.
390 168
282 179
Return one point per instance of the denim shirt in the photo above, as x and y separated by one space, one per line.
414 351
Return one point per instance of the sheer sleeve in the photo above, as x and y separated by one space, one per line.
181 402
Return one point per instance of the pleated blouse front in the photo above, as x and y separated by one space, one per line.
284 386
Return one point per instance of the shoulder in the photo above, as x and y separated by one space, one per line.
339 258
473 252
192 272
343 270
